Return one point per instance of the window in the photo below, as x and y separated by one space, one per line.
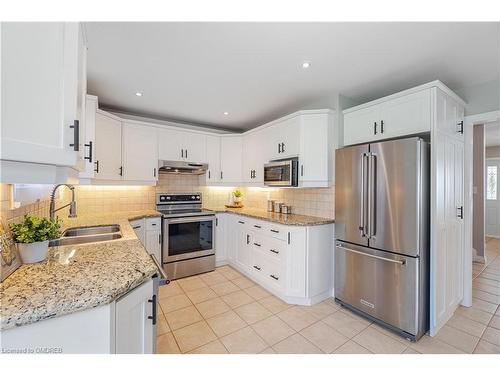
491 182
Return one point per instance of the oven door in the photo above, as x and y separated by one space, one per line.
188 237
282 173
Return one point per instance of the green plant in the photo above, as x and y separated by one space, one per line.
237 193
35 229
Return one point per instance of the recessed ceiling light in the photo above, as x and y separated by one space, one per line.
138 93
226 113
306 64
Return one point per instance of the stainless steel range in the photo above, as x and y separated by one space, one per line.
188 233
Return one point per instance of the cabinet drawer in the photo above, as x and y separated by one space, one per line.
277 231
274 248
153 223
256 225
272 274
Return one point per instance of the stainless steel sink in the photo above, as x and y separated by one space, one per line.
81 235
87 231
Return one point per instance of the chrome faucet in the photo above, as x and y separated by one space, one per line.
72 204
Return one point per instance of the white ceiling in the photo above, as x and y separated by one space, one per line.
492 134
194 72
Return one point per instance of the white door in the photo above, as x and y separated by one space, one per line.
39 92
134 321
195 150
285 142
409 114
231 149
140 153
492 201
359 126
447 236
89 137
170 145
108 147
314 163
213 158
153 243
220 242
140 231
243 248
253 158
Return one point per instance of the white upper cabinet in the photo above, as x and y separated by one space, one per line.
316 148
453 124
179 145
254 157
139 153
284 139
108 147
43 92
231 156
398 116
89 137
213 158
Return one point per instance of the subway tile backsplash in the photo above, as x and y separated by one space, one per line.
102 199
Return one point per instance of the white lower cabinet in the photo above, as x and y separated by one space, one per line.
292 262
148 231
126 325
135 331
220 239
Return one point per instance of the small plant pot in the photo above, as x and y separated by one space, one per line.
33 252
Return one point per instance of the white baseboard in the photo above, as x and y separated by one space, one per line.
219 263
492 235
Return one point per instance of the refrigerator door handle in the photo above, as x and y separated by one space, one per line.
372 173
362 216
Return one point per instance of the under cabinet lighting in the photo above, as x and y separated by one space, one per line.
226 113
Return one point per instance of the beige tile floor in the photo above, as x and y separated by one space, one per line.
225 312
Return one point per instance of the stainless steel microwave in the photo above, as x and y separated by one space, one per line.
282 173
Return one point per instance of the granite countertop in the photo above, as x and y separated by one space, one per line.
77 277
285 219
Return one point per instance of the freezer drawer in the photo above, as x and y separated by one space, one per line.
380 284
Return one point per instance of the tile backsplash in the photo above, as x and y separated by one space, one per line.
93 199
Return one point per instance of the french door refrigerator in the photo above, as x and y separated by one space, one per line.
382 233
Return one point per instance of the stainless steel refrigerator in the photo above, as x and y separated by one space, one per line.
382 233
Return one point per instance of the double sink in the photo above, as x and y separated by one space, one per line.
81 235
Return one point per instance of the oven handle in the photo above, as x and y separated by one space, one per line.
190 219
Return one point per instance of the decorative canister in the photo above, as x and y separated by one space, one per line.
277 207
270 205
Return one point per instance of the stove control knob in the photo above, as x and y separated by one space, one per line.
198 197
192 197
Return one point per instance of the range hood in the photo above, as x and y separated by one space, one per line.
181 167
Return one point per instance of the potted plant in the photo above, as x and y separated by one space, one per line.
32 236
237 196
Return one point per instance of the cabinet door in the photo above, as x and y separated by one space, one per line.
296 264
153 243
315 151
140 153
139 229
251 171
108 147
447 240
231 237
134 329
195 147
231 148
243 251
220 241
453 115
284 139
359 126
89 137
170 145
409 114
39 92
213 159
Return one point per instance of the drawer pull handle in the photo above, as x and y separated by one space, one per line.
241 222
275 231
257 226
274 277
274 251
257 244
136 227
153 224
153 304
257 268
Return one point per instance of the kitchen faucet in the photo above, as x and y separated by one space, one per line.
72 204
